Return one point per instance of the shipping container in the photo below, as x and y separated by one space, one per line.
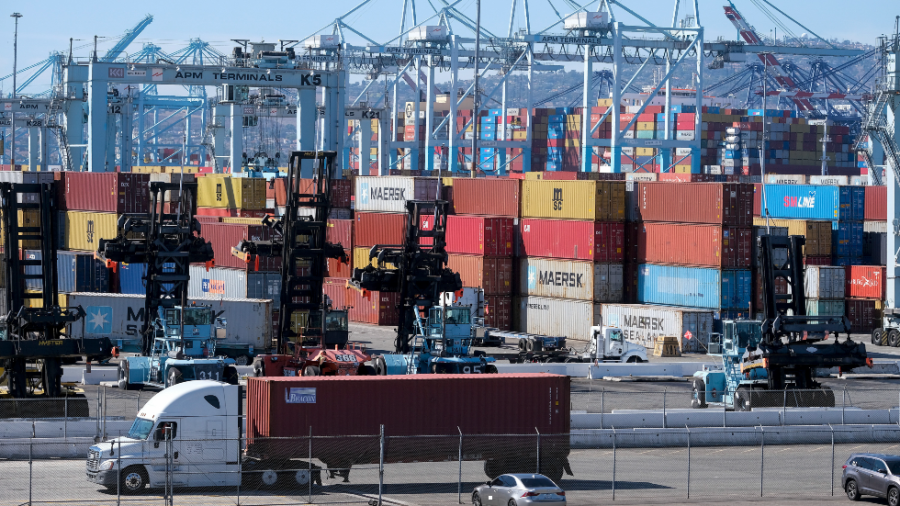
547 316
694 287
222 191
864 281
574 200
222 212
494 275
486 197
224 236
817 233
340 232
847 239
29 178
759 231
475 235
81 272
379 228
865 315
498 311
219 282
572 239
570 279
721 247
781 288
390 193
108 192
376 308
341 191
713 203
642 324
82 230
822 307
361 259
338 269
824 282
633 200
804 202
876 203
130 278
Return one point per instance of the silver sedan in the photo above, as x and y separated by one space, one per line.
518 490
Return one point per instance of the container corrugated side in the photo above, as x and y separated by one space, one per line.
864 281
476 235
555 317
824 282
876 203
494 275
847 239
487 197
865 315
82 230
109 192
390 193
340 232
712 203
817 233
804 202
574 200
570 279
572 239
498 311
721 247
822 307
224 236
693 287
378 228
81 272
361 259
221 191
759 231
643 324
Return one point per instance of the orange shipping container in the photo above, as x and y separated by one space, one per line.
865 281
494 275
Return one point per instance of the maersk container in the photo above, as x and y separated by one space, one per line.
824 282
643 324
234 284
390 193
570 279
804 202
822 307
694 287
570 318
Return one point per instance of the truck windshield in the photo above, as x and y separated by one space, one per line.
140 429
336 320
192 316
455 316
748 334
615 335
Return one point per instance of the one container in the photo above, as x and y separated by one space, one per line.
713 203
498 311
476 235
817 233
81 272
781 288
390 193
130 278
824 282
341 191
340 232
569 318
693 287
876 203
865 315
222 191
804 202
224 236
822 307
338 269
110 192
864 281
574 200
721 247
572 239
361 259
219 282
828 180
82 230
847 239
29 178
494 275
642 324
570 279
486 197
376 308
379 228
759 231
853 203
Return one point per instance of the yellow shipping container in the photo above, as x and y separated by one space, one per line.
646 125
447 181
361 259
27 218
817 233
607 102
62 300
82 230
643 151
574 200
534 175
573 143
519 136
243 221
682 169
231 193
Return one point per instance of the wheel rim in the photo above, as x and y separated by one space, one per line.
476 500
133 481
269 477
893 496
242 360
302 476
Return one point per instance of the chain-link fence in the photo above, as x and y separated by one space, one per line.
602 467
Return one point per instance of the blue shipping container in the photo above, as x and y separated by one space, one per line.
853 203
33 284
847 239
693 287
803 202
737 289
81 272
131 278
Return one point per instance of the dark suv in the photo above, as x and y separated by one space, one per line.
872 474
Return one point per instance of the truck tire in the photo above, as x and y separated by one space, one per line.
878 337
742 399
123 375
529 345
522 344
634 359
893 338
380 366
312 370
174 377
698 397
133 480
491 369
241 360
230 375
268 478
367 370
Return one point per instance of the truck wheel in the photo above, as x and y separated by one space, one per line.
381 366
877 336
268 478
301 477
242 360
123 375
893 338
742 399
529 345
367 370
312 370
522 344
230 375
491 369
634 359
133 480
698 397
174 377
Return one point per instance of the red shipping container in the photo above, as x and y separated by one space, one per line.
110 192
695 245
378 228
336 290
865 315
494 275
572 239
865 281
340 232
498 311
341 190
338 269
234 213
876 203
224 236
713 203
376 308
820 260
476 235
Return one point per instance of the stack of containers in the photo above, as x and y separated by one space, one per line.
875 226
556 141
225 196
825 290
539 137
487 159
865 292
571 251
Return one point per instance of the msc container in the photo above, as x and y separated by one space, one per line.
110 192
220 282
573 239
864 281
224 236
694 287
378 228
82 230
642 324
390 193
865 315
876 203
722 247
804 202
248 321
475 235
494 275
713 203
570 279
759 231
821 307
824 282
340 232
817 233
574 200
222 191
555 317
487 197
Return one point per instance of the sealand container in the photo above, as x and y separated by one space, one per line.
370 229
822 307
572 239
340 232
82 230
712 203
475 235
876 203
759 231
486 197
493 275
570 279
389 194
721 247
865 315
642 324
804 202
817 233
865 281
824 282
224 192
694 287
110 192
224 236
548 316
574 200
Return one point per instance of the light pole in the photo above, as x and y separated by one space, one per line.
12 155
476 123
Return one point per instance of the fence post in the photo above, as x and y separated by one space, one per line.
724 406
538 450
843 404
459 480
762 454
119 474
614 465
30 465
97 432
689 461
66 417
602 396
832 459
665 417
381 468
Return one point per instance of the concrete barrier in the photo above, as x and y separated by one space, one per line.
105 373
677 369
79 427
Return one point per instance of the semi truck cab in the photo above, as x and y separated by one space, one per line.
609 344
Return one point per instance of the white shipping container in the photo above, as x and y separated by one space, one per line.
858 181
828 180
219 282
642 176
569 318
642 324
684 135
824 282
586 21
433 32
785 179
875 226
570 279
390 193
20 177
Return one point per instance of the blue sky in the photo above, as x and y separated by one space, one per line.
47 25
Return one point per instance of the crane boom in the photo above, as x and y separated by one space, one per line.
128 38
